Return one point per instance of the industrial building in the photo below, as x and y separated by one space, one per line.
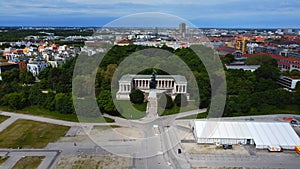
259 134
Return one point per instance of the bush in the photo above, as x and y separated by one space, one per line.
137 96
180 100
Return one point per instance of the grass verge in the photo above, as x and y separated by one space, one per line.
196 116
83 162
174 110
30 134
3 118
37 111
131 111
29 162
3 159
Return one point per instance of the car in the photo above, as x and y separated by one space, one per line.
227 146
294 122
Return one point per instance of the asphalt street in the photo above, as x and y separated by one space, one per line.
158 148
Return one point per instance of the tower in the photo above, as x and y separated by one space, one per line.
182 29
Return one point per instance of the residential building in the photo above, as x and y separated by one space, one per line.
288 82
36 67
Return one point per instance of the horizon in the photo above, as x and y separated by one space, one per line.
97 27
253 14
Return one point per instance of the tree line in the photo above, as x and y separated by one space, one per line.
247 92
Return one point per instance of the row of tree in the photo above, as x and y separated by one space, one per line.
256 93
247 92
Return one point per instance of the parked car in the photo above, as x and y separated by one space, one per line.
227 146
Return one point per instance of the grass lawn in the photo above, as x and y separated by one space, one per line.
191 106
83 162
268 110
196 116
132 111
35 110
30 134
2 160
31 162
289 109
3 118
96 120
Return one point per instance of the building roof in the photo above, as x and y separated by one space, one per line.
263 133
179 79
242 66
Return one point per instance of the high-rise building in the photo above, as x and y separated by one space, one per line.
182 29
240 44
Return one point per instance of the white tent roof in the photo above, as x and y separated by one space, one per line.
263 133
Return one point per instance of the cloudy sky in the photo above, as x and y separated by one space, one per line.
202 13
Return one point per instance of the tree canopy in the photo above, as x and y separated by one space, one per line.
137 96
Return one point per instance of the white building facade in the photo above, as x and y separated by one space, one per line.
170 84
36 67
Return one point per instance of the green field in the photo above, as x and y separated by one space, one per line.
34 110
191 106
3 118
196 116
2 160
31 162
132 111
95 162
96 120
30 134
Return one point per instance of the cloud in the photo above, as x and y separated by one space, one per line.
236 10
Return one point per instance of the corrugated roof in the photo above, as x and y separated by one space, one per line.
263 133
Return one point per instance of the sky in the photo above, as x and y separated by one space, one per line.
201 13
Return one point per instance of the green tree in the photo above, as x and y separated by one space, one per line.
14 100
26 77
261 60
267 72
106 103
137 96
10 75
63 103
229 58
180 100
35 95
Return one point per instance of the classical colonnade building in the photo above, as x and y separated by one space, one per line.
170 84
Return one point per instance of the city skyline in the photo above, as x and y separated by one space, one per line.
203 14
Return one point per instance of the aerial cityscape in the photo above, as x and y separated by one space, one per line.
90 84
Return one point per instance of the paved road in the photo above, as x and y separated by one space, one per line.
158 149
201 160
189 113
8 122
15 155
